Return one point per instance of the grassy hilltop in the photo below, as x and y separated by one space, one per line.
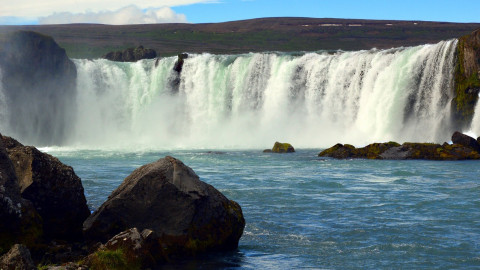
267 34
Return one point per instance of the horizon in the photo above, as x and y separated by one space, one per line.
125 12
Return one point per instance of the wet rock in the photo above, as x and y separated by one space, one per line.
465 140
179 63
53 187
18 258
393 150
466 78
282 148
187 215
131 54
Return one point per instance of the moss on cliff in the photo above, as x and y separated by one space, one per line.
466 80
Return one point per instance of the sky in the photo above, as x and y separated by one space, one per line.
21 12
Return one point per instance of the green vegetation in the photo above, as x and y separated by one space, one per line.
112 259
465 95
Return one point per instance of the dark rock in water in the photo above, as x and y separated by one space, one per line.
177 68
131 54
267 151
179 63
465 140
134 249
393 150
282 148
187 215
53 188
19 222
39 83
18 258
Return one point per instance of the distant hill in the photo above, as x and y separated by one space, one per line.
267 34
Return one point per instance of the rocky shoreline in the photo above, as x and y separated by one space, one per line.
464 147
162 212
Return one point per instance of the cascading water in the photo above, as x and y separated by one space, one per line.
252 100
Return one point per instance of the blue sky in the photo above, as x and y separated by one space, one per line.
206 11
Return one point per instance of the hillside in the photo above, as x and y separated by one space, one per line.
267 34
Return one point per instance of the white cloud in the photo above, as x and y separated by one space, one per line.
126 15
36 8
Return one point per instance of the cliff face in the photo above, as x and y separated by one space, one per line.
39 84
467 77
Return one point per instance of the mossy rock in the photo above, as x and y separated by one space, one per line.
466 78
283 148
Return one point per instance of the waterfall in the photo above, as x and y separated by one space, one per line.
252 100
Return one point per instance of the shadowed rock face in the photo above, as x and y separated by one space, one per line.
187 215
53 188
19 222
39 83
17 258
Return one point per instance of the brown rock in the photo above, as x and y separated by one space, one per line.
53 188
465 140
167 197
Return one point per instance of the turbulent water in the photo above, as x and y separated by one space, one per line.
252 100
302 211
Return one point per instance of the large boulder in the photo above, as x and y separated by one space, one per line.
19 222
39 84
18 258
53 188
131 54
465 140
187 215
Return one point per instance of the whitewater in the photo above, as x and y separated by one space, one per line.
251 100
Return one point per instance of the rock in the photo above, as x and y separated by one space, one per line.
179 63
267 151
187 215
467 78
39 84
175 79
19 222
132 247
131 54
282 148
18 258
53 188
465 140
393 150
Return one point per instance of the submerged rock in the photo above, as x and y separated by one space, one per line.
186 215
18 258
53 188
131 54
280 148
393 150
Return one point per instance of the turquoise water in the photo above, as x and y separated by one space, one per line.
303 211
